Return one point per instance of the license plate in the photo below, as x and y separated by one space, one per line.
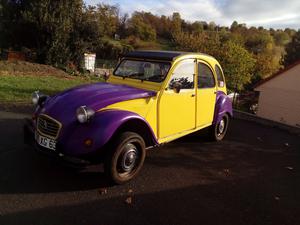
45 141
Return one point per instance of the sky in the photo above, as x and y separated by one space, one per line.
266 13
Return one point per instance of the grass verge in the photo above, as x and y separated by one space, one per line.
18 89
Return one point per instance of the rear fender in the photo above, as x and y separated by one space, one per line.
223 106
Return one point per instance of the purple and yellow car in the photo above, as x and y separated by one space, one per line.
152 97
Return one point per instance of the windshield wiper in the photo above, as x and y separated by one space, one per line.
136 75
132 75
125 76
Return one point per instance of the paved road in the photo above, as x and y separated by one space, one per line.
253 177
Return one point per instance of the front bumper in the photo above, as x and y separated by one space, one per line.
70 161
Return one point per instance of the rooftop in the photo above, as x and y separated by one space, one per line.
280 72
159 55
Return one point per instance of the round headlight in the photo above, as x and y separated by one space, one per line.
38 98
84 114
35 97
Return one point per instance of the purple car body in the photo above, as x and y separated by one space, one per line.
62 107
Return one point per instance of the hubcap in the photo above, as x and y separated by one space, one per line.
221 126
129 158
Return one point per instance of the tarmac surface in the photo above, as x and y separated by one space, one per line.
252 177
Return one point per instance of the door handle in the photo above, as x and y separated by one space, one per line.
193 95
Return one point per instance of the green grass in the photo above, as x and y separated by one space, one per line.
18 89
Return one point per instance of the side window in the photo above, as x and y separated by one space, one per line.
183 75
205 76
220 76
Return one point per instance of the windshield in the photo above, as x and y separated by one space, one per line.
143 70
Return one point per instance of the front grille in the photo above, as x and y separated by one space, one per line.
48 126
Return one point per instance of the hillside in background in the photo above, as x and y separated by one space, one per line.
58 33
17 68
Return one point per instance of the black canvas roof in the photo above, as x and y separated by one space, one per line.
159 55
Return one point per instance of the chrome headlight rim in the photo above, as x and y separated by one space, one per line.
35 98
38 98
84 114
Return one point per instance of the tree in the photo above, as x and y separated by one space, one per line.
293 50
141 29
1 22
212 26
54 22
205 42
197 27
176 26
122 27
12 28
61 31
108 19
262 44
281 38
234 26
238 65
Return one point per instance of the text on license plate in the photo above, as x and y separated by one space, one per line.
45 141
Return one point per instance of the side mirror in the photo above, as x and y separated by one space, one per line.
176 87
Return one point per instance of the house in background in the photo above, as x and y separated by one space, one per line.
279 96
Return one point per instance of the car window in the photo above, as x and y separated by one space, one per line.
143 70
220 76
205 76
183 75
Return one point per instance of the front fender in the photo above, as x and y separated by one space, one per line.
100 130
223 106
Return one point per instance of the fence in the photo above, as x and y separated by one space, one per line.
106 63
246 101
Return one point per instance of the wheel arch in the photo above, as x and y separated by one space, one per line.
139 127
223 106
118 121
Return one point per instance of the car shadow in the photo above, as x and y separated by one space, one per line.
249 202
22 170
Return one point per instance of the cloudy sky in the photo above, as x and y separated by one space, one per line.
267 13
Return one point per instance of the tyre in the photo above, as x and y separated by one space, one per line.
125 158
219 130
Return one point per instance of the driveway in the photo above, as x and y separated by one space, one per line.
253 177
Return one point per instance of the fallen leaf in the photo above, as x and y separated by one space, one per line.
226 170
277 198
128 200
287 144
289 168
103 191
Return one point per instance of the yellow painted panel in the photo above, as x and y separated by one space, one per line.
178 135
206 100
147 85
145 107
172 115
176 112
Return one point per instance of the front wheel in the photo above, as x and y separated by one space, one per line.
126 157
219 130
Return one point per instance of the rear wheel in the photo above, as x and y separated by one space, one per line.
219 130
126 157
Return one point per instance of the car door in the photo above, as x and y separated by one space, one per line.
206 94
177 104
